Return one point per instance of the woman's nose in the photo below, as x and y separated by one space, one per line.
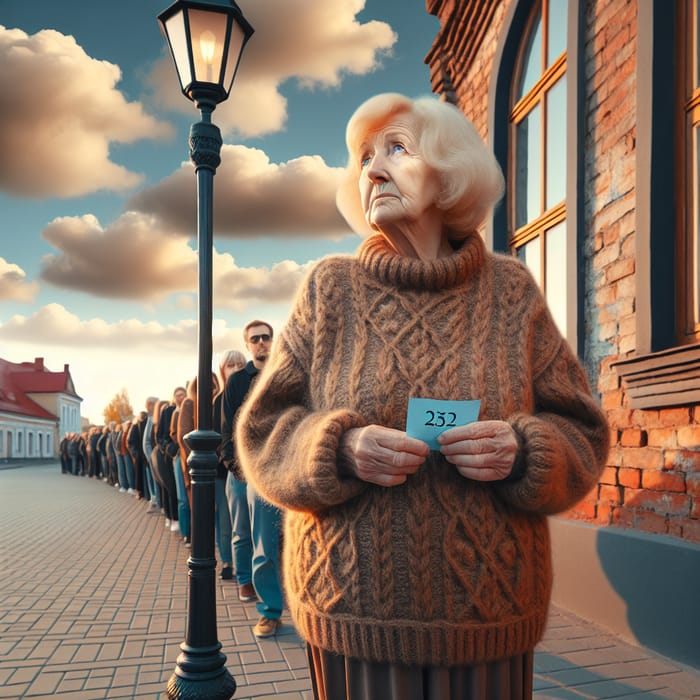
376 170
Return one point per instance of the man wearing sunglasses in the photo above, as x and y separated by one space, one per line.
255 523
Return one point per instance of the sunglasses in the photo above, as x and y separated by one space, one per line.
255 339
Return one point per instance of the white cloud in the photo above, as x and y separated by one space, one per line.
13 286
252 197
145 358
135 258
59 113
316 43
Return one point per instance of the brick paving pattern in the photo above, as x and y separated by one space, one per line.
93 596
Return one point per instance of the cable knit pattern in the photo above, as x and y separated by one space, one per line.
439 570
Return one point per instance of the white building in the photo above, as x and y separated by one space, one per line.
37 407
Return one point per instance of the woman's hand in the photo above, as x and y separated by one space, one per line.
483 451
382 456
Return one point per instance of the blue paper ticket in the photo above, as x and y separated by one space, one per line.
427 418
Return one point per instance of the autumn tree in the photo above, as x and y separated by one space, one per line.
119 408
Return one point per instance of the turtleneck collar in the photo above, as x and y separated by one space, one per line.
381 261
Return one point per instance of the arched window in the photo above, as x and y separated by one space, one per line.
537 207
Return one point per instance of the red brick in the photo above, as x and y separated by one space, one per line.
633 437
651 522
619 269
603 515
611 399
683 460
620 418
691 530
662 437
610 494
672 417
692 485
629 477
675 527
642 457
623 517
609 476
658 501
663 481
689 436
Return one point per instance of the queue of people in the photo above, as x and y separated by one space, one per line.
147 456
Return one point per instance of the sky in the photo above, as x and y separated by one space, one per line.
98 237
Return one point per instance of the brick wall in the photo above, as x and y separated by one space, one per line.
652 479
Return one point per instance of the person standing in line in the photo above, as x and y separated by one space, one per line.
134 444
116 436
127 425
417 564
183 503
231 361
147 446
66 466
102 452
168 449
256 523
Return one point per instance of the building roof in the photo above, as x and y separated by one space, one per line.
20 379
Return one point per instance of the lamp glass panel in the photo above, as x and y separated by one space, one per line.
177 37
234 53
208 33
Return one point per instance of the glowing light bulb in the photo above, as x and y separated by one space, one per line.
207 43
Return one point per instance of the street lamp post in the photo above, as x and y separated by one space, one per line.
206 40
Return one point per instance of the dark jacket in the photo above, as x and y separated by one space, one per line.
237 388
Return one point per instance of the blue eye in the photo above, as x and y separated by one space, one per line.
398 148
364 161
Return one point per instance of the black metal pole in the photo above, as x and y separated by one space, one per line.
200 671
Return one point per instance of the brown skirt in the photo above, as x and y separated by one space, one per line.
336 677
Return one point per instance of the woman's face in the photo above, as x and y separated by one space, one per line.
398 189
230 367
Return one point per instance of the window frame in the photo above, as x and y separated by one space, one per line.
506 61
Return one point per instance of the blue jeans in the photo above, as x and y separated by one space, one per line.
236 494
183 505
150 480
121 472
130 475
223 523
265 521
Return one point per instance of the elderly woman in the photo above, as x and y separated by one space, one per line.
417 573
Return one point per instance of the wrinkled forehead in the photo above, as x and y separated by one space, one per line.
366 124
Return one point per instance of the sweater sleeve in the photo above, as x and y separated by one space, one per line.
288 448
564 442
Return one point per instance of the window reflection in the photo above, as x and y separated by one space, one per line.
530 254
532 58
528 167
555 144
555 274
556 29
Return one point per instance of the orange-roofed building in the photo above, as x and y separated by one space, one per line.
37 406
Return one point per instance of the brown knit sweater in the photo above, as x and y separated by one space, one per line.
441 570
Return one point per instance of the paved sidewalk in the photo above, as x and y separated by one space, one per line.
93 593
